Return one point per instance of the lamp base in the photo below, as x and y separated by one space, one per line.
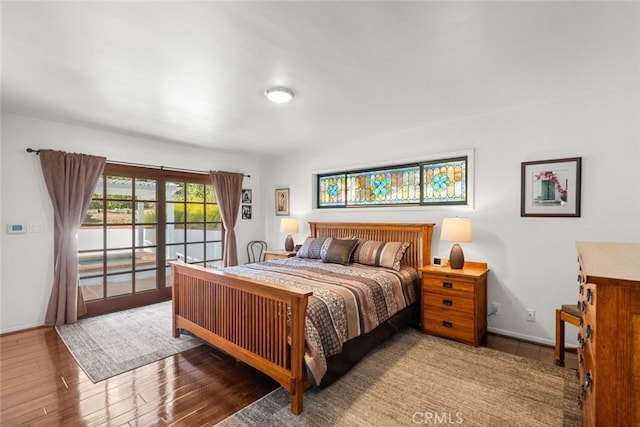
288 243
456 257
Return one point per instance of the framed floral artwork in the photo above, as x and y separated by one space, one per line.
551 188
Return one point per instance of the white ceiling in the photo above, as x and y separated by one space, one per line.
195 72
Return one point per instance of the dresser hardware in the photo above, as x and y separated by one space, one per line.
589 333
447 324
590 296
447 302
447 285
588 381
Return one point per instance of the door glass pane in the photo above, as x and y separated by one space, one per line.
146 213
119 212
146 236
195 252
119 261
90 238
118 237
90 264
145 259
95 214
195 212
175 253
214 231
92 288
214 251
195 233
119 284
146 189
195 192
146 281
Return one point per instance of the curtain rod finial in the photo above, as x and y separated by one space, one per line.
31 150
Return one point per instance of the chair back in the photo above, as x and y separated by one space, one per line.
255 251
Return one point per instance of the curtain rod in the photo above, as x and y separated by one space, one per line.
31 150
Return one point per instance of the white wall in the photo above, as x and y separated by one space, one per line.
27 259
532 260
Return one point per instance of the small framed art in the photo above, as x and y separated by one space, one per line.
282 201
551 188
246 195
246 211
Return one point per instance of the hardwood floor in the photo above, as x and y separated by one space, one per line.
41 385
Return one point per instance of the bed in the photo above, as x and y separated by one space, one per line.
261 320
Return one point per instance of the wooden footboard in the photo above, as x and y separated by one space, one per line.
262 324
258 323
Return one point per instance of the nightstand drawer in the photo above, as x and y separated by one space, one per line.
449 325
462 305
447 285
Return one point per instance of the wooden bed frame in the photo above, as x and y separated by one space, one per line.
248 318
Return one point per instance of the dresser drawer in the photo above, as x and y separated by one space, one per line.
449 324
448 285
462 305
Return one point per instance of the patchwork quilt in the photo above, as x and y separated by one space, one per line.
347 301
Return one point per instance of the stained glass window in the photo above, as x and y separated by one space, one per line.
331 190
445 181
425 183
384 187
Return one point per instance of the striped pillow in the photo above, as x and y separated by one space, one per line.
380 254
313 247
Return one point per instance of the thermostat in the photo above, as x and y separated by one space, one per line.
16 228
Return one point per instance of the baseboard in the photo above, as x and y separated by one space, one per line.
530 338
23 328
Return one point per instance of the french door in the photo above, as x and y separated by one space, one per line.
139 220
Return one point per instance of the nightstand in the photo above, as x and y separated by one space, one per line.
454 302
278 254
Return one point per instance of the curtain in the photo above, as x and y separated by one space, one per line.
228 189
71 179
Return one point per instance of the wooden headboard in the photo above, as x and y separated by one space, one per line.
417 255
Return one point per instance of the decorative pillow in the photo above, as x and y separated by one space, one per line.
339 251
313 247
380 254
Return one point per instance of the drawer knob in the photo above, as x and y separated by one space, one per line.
447 324
447 302
447 285
589 333
588 381
590 296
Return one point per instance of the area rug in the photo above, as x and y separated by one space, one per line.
114 343
415 379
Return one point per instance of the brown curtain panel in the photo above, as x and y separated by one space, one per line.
71 180
228 190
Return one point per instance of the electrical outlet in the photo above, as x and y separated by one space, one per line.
495 309
531 315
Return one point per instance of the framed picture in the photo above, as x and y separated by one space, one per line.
551 188
282 202
246 211
246 195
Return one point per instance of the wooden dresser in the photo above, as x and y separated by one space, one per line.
609 333
454 302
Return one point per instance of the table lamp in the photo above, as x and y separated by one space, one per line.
456 230
288 225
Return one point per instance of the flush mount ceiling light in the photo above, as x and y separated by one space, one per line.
279 95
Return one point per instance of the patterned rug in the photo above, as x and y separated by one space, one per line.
114 343
414 379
